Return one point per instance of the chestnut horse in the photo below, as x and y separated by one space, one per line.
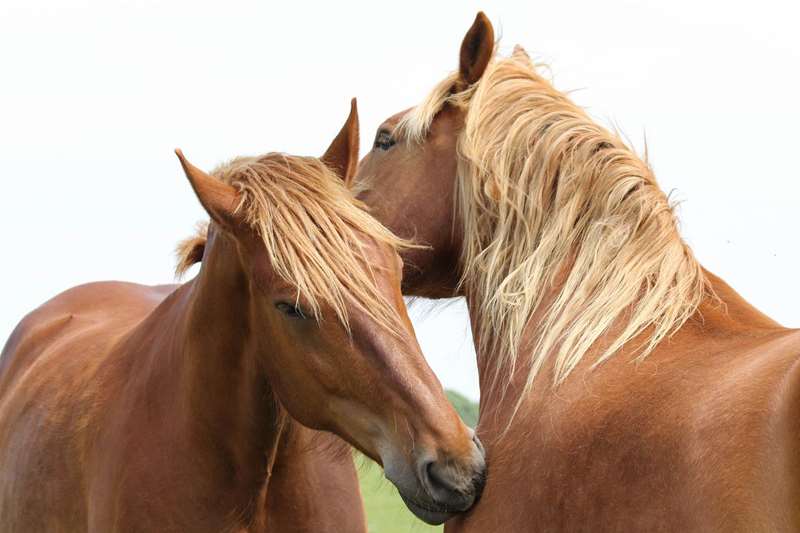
623 387
133 408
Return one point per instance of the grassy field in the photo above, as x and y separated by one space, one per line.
386 512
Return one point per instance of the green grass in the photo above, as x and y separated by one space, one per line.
464 406
386 512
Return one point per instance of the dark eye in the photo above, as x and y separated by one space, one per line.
292 311
383 140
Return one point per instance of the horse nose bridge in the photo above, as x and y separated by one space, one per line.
401 367
424 418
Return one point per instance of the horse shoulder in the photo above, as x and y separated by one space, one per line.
745 438
784 424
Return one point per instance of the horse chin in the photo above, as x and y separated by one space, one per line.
427 513
414 494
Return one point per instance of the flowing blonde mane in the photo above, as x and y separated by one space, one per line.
553 204
314 232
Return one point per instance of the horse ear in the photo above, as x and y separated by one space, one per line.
521 54
476 50
220 200
342 155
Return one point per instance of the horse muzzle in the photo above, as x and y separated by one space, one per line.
443 487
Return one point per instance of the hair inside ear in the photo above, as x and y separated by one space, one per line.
477 49
219 199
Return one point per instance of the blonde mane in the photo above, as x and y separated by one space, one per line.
553 204
314 232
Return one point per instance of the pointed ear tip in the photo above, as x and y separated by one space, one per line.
481 29
352 118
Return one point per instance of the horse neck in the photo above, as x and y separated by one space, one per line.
496 390
222 403
722 314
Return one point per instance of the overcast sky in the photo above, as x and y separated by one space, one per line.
95 95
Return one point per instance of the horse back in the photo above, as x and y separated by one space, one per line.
95 308
49 398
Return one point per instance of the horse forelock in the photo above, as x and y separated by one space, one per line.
315 232
543 191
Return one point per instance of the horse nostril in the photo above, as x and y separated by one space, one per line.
453 486
455 483
437 481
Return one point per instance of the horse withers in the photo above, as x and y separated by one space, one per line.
623 386
168 408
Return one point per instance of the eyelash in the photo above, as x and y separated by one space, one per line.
292 311
384 141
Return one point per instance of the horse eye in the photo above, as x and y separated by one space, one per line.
292 311
383 140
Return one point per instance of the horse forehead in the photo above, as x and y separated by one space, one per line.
448 121
381 254
391 122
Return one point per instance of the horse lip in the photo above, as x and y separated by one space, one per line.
418 497
428 512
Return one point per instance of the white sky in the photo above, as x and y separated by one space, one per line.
95 95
